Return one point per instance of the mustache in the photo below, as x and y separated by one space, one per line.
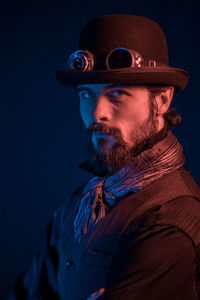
103 128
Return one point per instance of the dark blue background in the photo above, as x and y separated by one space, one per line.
41 144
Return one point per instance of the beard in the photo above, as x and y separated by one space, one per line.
108 162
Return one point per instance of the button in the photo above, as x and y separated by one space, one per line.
69 264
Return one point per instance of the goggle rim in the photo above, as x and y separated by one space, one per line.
135 56
89 60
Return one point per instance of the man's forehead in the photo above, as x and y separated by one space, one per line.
100 86
96 86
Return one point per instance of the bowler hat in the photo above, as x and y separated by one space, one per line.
122 49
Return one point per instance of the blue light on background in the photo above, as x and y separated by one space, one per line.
40 127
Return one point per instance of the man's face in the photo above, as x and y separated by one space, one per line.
116 115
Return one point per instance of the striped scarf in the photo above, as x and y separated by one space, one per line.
100 193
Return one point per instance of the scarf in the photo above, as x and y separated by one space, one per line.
100 193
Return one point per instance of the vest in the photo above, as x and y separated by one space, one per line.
83 268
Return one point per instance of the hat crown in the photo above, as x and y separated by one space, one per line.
146 64
141 34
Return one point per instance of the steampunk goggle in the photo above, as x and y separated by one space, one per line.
85 61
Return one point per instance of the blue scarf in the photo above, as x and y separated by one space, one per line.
100 193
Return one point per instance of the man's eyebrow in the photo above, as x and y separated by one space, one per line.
125 88
82 88
117 86
106 88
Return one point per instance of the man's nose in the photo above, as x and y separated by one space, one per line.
102 111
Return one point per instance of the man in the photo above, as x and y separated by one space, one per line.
132 231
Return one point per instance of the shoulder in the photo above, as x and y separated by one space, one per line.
69 204
64 211
164 232
181 214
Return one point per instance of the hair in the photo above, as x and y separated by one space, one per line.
172 117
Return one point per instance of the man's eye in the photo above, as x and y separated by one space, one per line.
117 93
86 95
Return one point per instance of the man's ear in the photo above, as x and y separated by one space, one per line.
163 100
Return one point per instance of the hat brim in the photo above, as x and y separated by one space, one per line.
140 76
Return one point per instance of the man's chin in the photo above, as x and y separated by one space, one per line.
109 160
103 143
106 161
102 151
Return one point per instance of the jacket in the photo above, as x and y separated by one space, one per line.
147 247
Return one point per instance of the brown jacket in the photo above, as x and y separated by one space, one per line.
147 247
